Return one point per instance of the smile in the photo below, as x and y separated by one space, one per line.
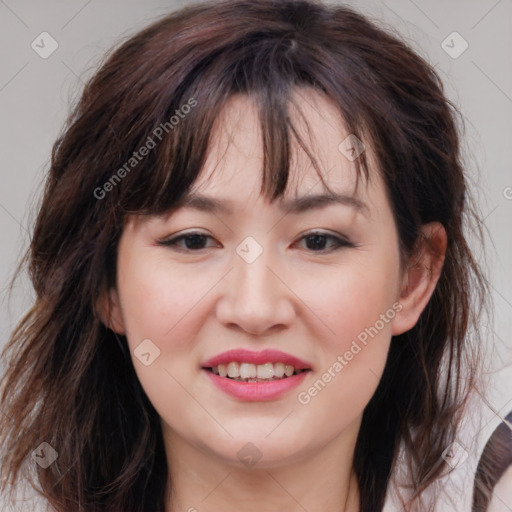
248 372
255 376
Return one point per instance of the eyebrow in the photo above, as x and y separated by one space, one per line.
296 205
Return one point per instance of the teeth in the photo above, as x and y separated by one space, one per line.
265 371
233 370
254 372
247 371
279 369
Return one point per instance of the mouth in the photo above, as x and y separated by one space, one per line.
254 376
249 372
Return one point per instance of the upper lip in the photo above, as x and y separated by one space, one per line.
249 356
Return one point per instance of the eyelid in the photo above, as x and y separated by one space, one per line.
327 233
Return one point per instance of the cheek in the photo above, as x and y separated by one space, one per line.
159 300
354 357
167 305
356 304
162 304
352 299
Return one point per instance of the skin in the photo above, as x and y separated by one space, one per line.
308 302
502 495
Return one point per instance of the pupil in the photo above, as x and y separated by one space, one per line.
196 241
318 239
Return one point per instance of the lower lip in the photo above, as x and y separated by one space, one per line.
256 391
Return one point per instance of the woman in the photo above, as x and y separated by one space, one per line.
253 284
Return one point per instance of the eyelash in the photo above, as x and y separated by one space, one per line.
339 242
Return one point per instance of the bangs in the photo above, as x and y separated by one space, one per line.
176 121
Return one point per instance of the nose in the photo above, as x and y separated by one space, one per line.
257 299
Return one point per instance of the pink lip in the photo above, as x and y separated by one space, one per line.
256 391
248 356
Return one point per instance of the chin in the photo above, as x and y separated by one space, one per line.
261 453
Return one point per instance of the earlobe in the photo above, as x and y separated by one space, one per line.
421 277
109 311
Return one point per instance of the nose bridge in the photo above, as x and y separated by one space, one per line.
255 285
256 299
252 271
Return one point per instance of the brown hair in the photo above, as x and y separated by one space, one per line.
68 383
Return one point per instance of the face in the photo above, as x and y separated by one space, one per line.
320 284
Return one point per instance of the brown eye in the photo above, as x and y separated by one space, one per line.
188 242
317 241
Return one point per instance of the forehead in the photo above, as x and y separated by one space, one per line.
230 179
235 159
237 140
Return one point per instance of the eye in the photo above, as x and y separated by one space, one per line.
193 242
316 241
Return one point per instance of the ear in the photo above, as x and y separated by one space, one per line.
421 276
109 311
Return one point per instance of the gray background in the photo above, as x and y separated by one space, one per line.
36 94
